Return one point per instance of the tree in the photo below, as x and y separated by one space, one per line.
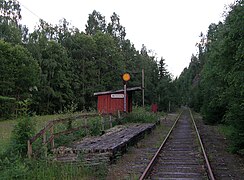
115 29
149 64
82 49
109 62
55 91
18 72
96 22
162 69
166 89
74 64
10 30
234 74
214 79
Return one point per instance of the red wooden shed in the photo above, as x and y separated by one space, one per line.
113 101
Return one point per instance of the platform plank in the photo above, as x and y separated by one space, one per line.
106 148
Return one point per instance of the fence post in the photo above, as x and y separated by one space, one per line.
102 123
86 131
118 114
29 146
52 136
110 121
44 140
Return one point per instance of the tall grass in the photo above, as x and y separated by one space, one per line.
230 132
7 126
13 166
43 169
141 115
226 130
94 129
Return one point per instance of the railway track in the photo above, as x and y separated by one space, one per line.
181 155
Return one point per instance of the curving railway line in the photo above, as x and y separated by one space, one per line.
181 155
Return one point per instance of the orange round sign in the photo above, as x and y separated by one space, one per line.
126 76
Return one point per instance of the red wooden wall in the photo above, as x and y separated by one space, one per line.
106 104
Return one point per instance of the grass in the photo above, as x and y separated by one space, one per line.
141 115
7 126
160 129
21 168
43 169
15 167
226 130
229 132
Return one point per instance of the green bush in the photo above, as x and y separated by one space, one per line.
140 115
94 126
235 118
21 133
213 113
12 167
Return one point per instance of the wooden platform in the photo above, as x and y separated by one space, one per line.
105 148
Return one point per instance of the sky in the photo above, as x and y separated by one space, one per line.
170 28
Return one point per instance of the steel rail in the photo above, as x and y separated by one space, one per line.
153 160
203 150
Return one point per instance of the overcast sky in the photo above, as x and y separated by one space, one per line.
170 28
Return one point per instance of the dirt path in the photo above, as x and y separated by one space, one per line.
225 165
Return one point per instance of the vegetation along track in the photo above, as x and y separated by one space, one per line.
181 155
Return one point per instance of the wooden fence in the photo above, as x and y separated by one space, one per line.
107 119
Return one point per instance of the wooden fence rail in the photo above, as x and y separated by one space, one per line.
51 124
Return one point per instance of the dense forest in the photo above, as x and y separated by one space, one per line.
57 68
213 83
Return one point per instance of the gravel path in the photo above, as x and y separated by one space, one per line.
225 165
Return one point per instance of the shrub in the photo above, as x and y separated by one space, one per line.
235 118
21 133
94 126
140 115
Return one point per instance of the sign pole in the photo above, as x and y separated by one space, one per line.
125 97
143 88
125 77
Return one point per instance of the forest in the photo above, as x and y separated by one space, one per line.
57 68
213 83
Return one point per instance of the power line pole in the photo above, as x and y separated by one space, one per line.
83 83
143 88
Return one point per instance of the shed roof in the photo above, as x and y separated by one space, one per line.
118 91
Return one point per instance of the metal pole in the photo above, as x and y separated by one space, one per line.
125 97
143 88
83 83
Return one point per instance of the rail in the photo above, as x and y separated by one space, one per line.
203 150
149 167
153 160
